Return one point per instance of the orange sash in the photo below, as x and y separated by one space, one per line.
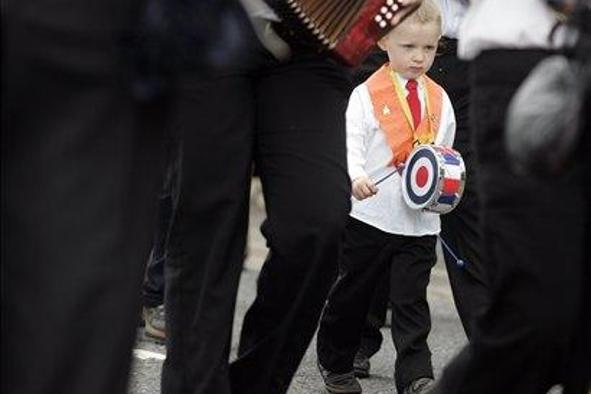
393 114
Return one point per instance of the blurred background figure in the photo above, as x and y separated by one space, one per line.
83 114
536 332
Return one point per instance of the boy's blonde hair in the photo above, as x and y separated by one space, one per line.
428 12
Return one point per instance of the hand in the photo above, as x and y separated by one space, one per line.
407 8
363 187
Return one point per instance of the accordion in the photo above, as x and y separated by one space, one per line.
346 29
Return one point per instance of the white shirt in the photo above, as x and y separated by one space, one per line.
452 13
516 24
369 154
259 9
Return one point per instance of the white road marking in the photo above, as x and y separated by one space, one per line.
146 354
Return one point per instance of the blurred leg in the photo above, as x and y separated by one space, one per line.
533 234
80 162
302 165
460 229
208 234
153 286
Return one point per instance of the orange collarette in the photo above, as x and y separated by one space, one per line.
393 114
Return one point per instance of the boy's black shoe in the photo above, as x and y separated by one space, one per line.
419 386
340 383
361 366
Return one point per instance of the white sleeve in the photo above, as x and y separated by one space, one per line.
356 134
447 127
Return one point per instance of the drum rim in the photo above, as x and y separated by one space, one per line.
446 208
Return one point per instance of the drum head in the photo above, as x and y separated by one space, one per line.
420 178
433 179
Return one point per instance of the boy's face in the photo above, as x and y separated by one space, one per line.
411 47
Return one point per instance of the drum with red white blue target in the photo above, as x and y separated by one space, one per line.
433 179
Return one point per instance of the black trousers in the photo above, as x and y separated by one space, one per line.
289 119
371 336
80 164
154 283
533 233
153 286
460 229
368 255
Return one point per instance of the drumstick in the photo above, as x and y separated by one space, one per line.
382 179
459 262
388 175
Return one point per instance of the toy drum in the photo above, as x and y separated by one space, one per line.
433 179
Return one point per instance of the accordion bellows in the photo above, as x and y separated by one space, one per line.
348 29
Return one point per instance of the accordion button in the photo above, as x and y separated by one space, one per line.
383 10
378 18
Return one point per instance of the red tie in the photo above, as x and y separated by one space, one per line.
413 102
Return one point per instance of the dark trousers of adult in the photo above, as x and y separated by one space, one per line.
289 119
154 284
533 233
460 228
578 377
368 255
80 163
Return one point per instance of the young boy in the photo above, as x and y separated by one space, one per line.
397 108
